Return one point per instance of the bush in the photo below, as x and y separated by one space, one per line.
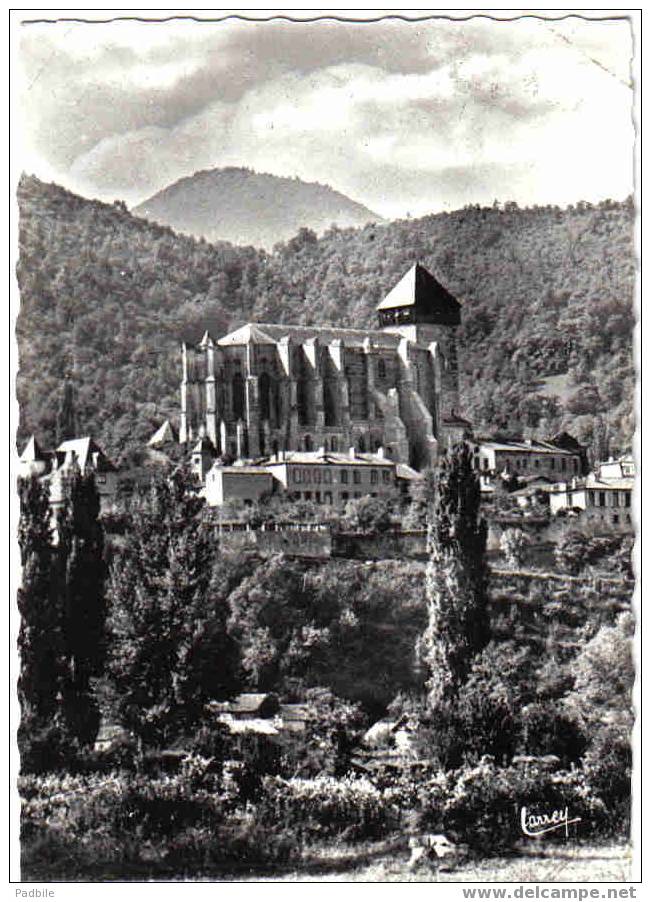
102 827
514 545
481 805
368 514
607 766
326 807
576 551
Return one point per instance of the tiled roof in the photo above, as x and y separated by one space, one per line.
245 703
403 471
270 333
524 447
88 454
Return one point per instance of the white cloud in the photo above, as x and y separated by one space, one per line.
541 115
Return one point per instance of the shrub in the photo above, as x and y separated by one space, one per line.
607 765
481 805
333 729
328 807
117 825
514 545
368 514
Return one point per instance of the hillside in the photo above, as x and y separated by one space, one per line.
545 292
247 207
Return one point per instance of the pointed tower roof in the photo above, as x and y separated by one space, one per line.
87 453
164 434
418 288
32 451
204 445
249 334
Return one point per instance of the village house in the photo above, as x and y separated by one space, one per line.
81 455
246 484
602 502
525 458
331 477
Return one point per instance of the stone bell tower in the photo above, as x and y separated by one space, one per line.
424 313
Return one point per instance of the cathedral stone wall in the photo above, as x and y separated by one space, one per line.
269 387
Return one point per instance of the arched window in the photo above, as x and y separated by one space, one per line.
333 443
361 444
238 397
307 443
264 388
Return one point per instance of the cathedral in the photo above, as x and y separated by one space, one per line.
267 388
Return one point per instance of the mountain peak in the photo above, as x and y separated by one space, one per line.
240 205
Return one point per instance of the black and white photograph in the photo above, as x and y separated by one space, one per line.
325 448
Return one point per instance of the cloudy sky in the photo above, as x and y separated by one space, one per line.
403 117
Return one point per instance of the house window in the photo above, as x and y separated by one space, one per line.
615 519
374 477
357 477
317 475
615 499
575 464
386 476
381 369
307 496
327 476
563 464
317 497
485 463
327 497
296 475
536 463
307 476
602 499
344 496
627 499
591 499
344 476
552 463
358 494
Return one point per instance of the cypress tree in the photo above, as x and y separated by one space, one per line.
66 419
41 736
39 638
82 574
458 625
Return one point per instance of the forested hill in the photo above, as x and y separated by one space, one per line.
246 207
547 319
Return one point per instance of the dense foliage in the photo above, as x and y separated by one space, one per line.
347 626
80 552
62 607
546 339
169 652
455 583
